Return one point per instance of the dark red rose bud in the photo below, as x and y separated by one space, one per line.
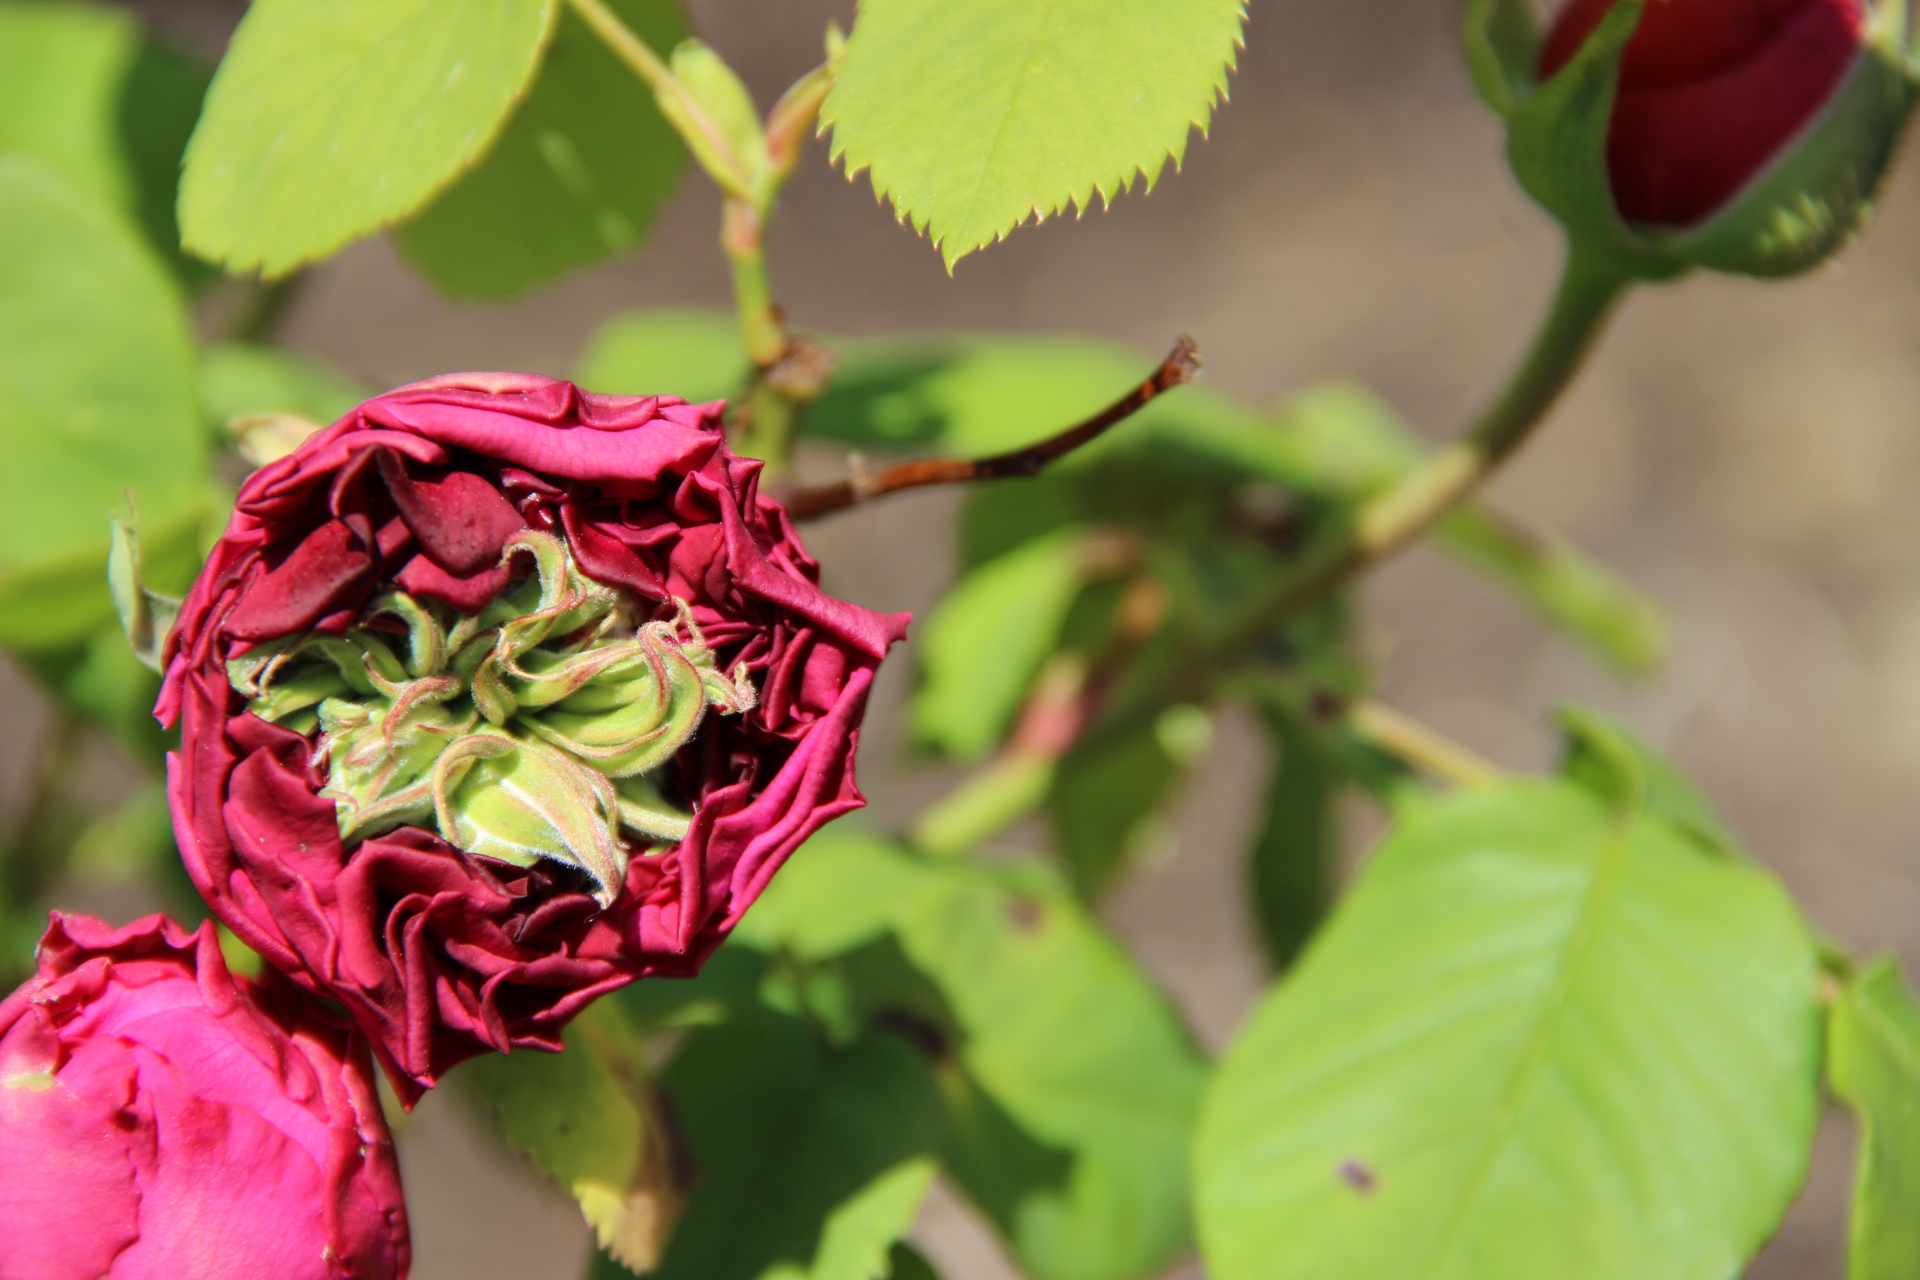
497 695
1709 92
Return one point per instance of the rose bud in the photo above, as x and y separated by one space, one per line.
1739 135
160 1119
497 695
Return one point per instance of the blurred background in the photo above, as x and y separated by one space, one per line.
1744 452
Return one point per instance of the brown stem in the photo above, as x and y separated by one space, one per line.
1179 368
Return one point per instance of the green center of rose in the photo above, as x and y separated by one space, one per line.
529 730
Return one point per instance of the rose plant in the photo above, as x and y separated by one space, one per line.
501 718
394 790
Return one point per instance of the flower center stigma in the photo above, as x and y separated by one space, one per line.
529 730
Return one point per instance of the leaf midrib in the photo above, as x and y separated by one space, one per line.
1579 942
1046 11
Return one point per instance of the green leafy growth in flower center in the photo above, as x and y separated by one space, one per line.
526 731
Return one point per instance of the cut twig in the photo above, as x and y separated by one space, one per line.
1179 368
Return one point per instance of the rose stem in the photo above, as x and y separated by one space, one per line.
787 374
1179 368
1589 288
1402 736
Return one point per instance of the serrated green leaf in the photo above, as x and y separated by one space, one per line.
1535 1040
61 71
1072 1144
1873 1062
97 398
1296 847
826 1152
328 121
974 116
695 355
586 1119
1612 762
1502 39
981 647
577 175
242 379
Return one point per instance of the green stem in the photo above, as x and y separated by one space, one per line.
1416 744
626 46
1590 286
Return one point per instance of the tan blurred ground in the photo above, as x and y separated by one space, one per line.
1748 453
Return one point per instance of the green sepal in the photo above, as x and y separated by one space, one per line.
1557 145
1804 206
1818 192
1502 39
523 801
145 615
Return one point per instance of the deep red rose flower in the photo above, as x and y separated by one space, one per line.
580 641
161 1120
1709 92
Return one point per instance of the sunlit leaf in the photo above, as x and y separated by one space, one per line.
975 115
980 648
1074 1145
1538 1038
97 399
1873 1061
586 1118
812 1159
327 121
61 71
576 176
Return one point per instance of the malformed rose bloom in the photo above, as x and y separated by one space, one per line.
497 695
160 1120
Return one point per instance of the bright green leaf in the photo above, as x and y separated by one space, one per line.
1067 1040
61 70
695 355
1074 1145
813 1160
1873 1061
974 115
577 175
97 398
715 117
240 379
327 121
586 1119
981 647
1536 1040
